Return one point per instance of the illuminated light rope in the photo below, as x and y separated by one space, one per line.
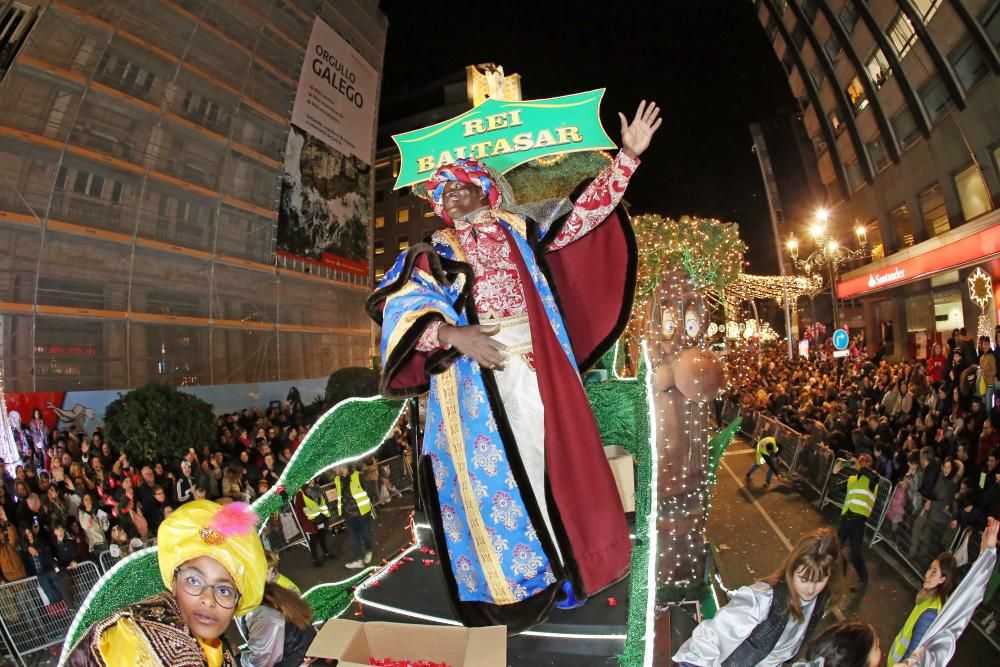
651 526
105 578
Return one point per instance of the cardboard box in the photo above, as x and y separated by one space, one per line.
623 468
352 643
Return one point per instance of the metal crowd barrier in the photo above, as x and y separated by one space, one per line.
917 536
789 441
730 411
813 465
282 530
31 620
835 491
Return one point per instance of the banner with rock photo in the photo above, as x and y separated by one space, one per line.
324 208
326 180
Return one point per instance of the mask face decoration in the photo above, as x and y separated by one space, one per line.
692 321
669 324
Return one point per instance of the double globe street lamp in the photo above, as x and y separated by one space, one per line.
829 254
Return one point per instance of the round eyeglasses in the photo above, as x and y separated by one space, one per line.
194 584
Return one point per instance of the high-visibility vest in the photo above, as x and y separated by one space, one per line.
902 642
357 491
762 448
860 498
314 509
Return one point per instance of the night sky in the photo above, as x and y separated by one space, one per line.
706 62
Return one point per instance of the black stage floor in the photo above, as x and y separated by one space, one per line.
410 591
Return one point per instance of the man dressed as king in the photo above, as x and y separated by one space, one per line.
496 317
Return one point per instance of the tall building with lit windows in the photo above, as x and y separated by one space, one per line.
141 148
402 218
901 100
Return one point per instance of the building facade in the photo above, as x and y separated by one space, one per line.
141 148
401 217
901 100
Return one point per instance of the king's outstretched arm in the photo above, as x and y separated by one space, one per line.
606 191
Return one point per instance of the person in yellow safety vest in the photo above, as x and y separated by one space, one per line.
275 577
767 452
856 643
317 513
858 504
939 582
356 508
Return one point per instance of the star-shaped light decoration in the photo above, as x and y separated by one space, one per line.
980 287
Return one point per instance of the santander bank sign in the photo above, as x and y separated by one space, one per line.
879 279
941 255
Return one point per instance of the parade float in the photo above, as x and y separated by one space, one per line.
651 395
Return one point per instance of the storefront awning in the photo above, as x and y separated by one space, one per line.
972 243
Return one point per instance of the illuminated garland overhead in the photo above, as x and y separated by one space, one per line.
772 287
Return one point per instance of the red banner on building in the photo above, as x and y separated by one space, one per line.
972 249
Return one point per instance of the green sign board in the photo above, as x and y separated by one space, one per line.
504 135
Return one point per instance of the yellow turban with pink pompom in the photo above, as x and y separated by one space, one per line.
226 533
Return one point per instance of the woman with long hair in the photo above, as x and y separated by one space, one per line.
939 583
855 643
767 623
279 631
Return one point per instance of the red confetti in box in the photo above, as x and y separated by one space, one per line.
612 602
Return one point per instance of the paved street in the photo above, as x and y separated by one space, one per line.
753 529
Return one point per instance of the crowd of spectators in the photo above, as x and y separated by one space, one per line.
74 495
929 424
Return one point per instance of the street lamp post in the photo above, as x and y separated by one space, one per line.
829 253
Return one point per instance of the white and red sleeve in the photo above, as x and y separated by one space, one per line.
597 201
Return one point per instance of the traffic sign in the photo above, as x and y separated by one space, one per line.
840 353
840 339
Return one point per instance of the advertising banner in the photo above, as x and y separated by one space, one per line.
337 94
323 214
504 135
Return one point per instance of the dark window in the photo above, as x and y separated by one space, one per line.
902 228
905 127
818 76
933 211
379 247
876 151
809 10
61 178
771 28
849 17
968 61
80 184
935 97
787 61
832 48
855 180
991 22
383 170
798 36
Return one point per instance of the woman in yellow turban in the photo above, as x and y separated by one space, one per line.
213 566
